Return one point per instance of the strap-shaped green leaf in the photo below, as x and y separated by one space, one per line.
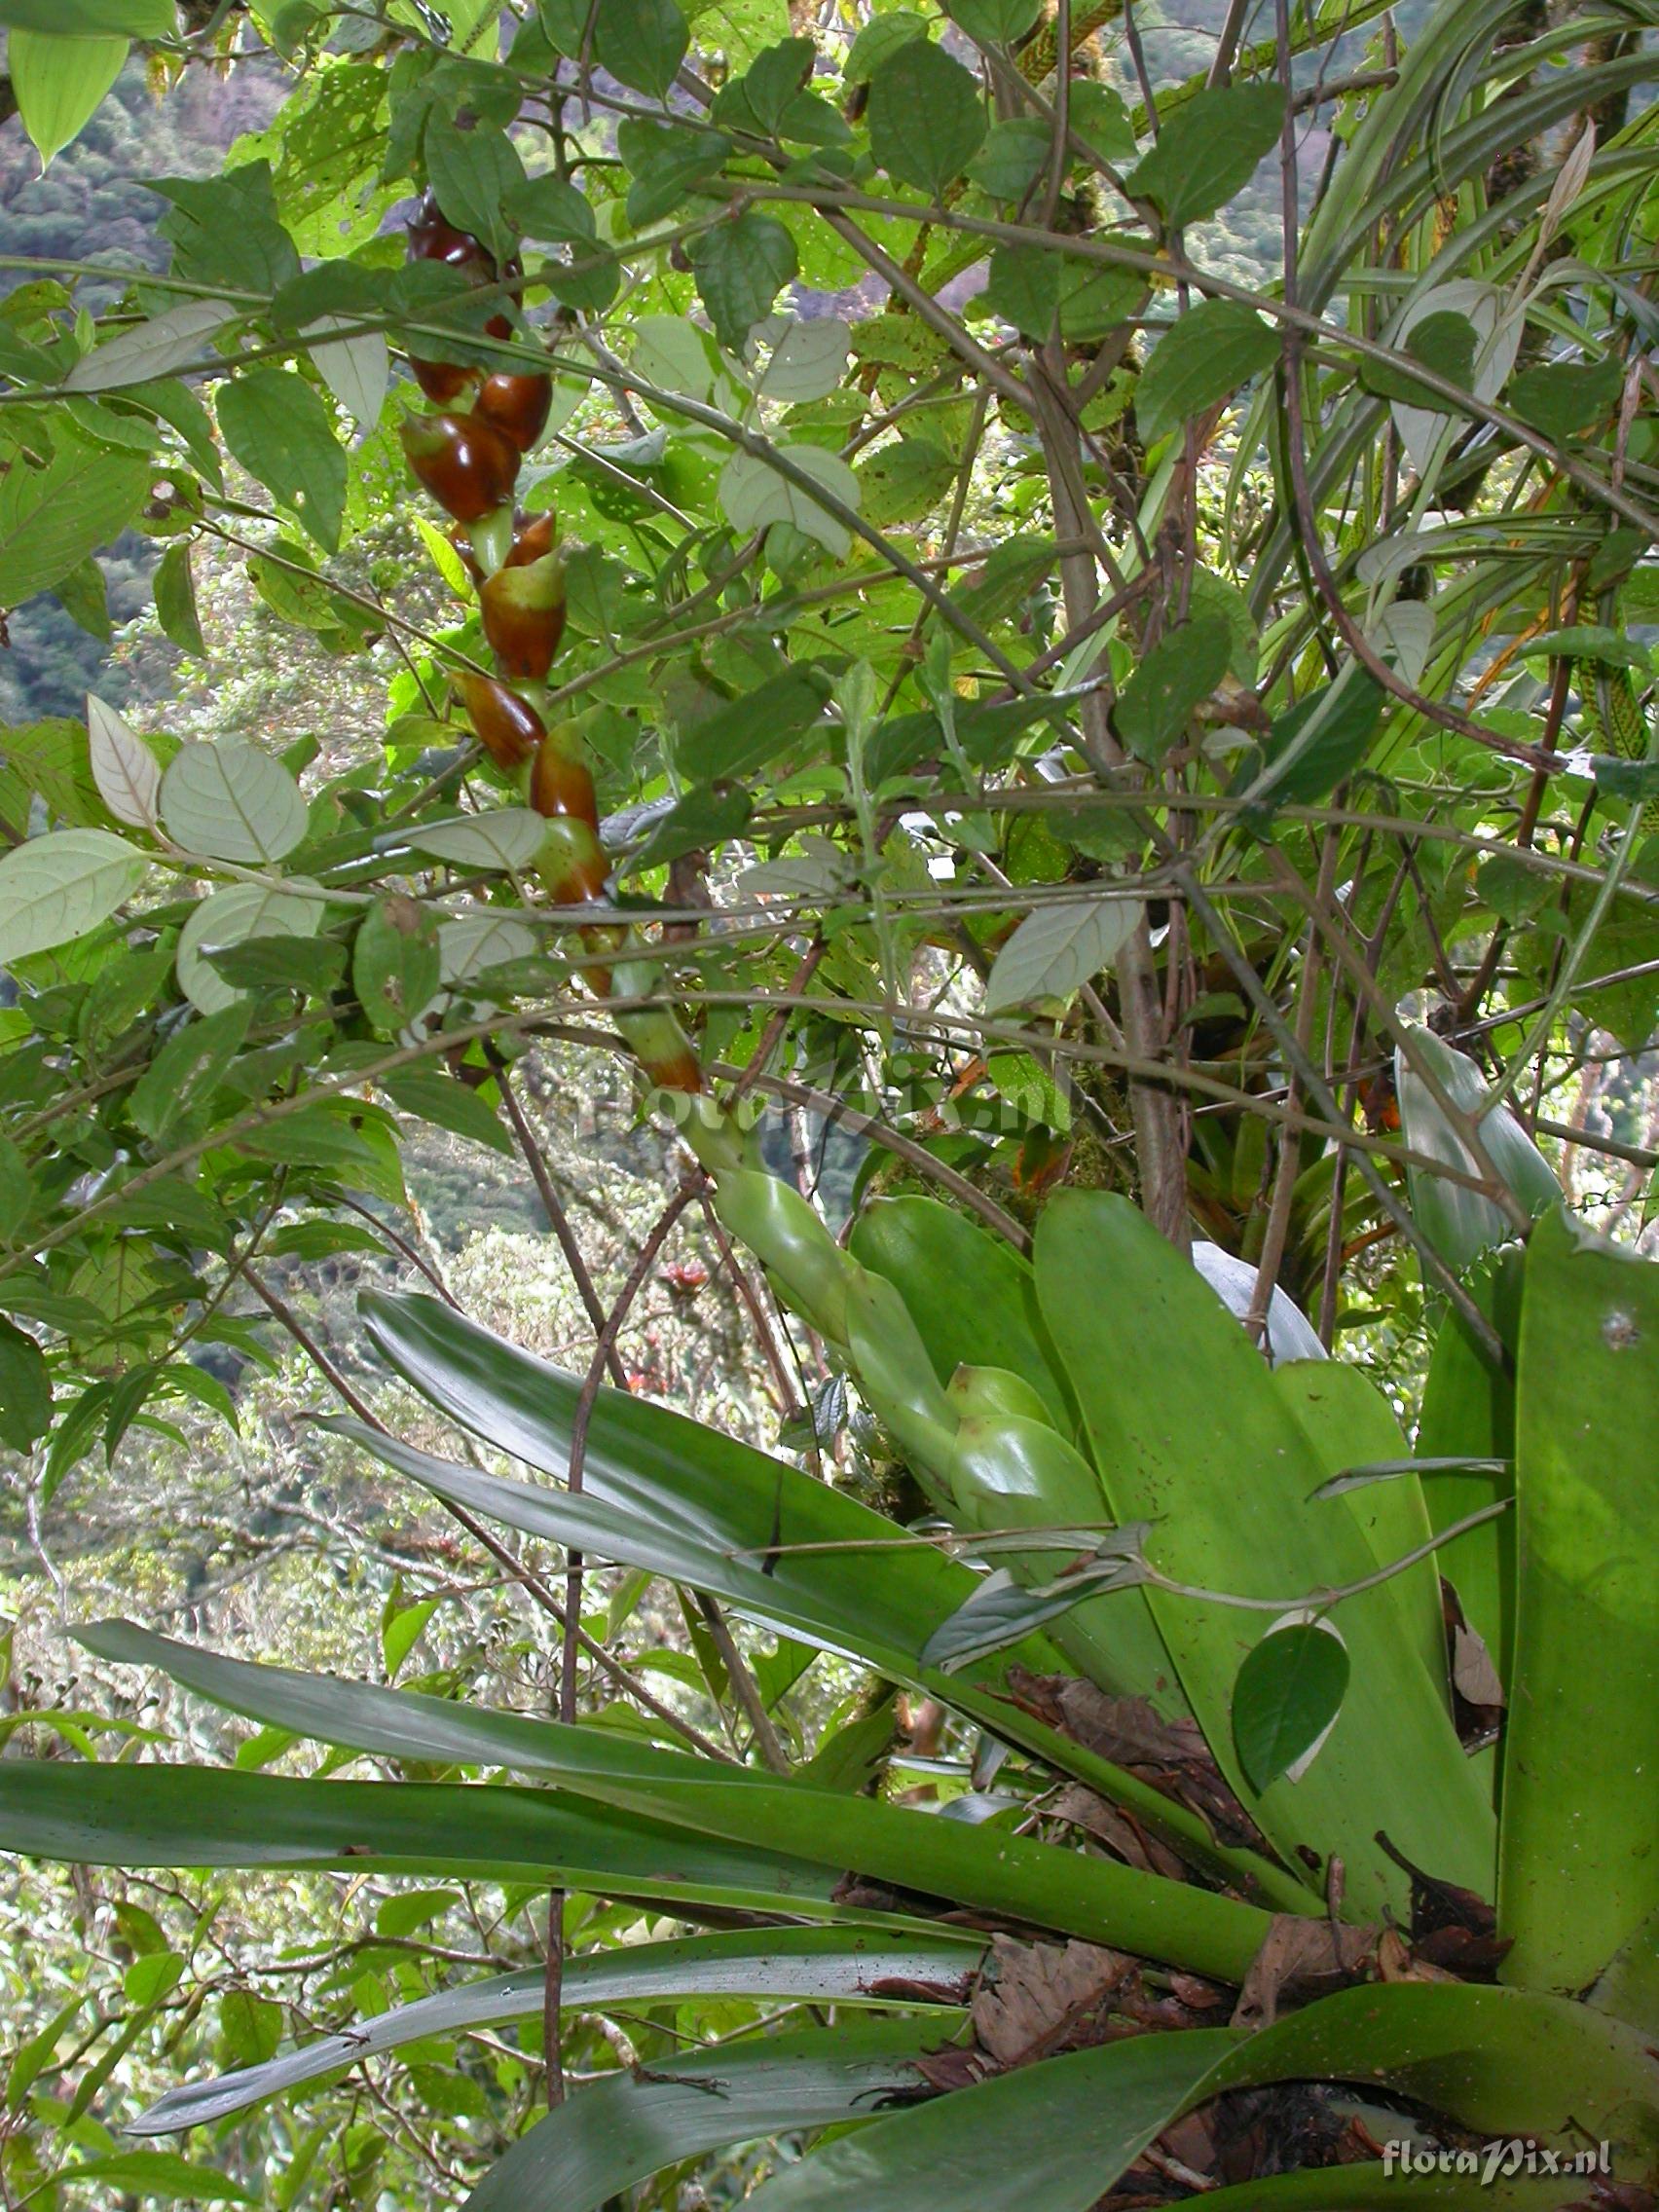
1188 1432
667 1494
616 2133
1579 1873
832 1966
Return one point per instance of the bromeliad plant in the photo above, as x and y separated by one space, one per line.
1322 1886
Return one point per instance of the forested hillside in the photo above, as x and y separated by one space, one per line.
93 205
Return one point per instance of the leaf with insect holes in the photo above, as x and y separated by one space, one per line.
1057 948
281 433
394 963
1286 1697
124 768
740 268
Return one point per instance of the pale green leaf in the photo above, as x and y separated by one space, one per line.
233 916
55 888
1057 948
60 84
124 768
753 494
232 802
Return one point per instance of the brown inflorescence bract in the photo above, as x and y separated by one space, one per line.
517 405
524 616
467 465
508 727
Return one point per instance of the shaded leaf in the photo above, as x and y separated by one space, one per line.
925 115
1057 948
1208 150
1287 1694
1213 348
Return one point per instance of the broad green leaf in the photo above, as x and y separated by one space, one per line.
282 433
501 837
904 481
809 362
1208 150
740 268
186 1816
1458 1223
995 22
970 1295
1212 349
473 175
642 43
1182 670
175 600
1496 320
230 801
1023 287
1014 156
1445 343
1288 1693
1057 948
51 518
1578 1872
225 229
394 963
90 19
1563 399
1212 1464
1468 1413
881 36
58 887
1086 2117
160 2176
1317 742
1498 2061
26 1389
748 733
831 1965
1350 1424
925 116
619 2131
187 1070
447 1104
702 821
60 84
231 916
753 494
124 768
1629 1986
